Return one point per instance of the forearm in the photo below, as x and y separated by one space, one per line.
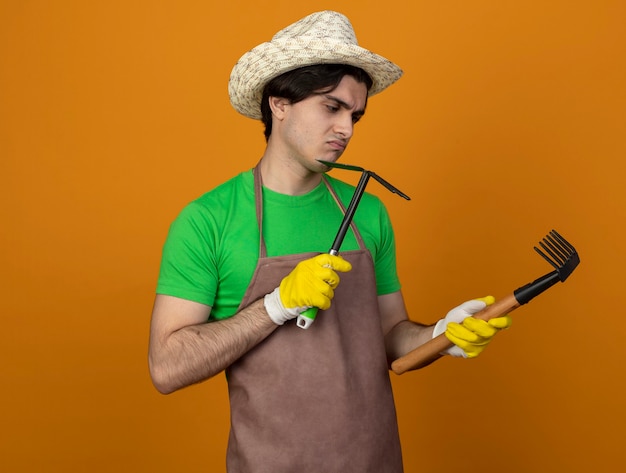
468 336
197 352
405 337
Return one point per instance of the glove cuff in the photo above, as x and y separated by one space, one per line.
455 351
440 327
276 310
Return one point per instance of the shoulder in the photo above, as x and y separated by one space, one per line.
217 205
240 185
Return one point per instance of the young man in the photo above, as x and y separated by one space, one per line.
244 260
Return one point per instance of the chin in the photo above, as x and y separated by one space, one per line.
320 167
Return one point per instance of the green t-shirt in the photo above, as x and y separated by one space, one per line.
212 248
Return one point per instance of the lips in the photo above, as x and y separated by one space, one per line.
338 145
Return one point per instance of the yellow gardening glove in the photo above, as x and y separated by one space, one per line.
469 335
312 283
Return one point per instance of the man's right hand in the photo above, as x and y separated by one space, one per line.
312 283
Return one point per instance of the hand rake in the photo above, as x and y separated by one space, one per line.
556 251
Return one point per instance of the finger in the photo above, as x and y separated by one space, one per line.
329 277
319 294
335 262
488 300
464 335
340 264
480 327
322 287
320 301
471 349
501 322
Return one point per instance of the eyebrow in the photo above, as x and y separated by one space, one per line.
342 104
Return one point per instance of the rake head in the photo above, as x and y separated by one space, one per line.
559 253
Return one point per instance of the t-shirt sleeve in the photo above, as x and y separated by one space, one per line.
188 268
387 280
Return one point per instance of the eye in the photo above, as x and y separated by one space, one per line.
332 108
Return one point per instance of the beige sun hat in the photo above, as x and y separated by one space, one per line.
325 37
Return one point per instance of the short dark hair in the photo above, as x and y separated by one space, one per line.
301 83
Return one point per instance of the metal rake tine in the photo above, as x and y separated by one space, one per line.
553 249
546 257
557 247
565 244
555 260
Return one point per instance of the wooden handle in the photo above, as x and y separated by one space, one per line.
431 350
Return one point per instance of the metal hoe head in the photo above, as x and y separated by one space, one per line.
356 197
368 174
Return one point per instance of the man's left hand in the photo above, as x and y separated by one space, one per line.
470 335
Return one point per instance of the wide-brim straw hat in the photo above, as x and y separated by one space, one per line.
325 37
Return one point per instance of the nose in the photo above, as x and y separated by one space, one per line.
344 125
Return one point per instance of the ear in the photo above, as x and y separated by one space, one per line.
278 106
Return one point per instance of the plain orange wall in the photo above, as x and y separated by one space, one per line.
509 122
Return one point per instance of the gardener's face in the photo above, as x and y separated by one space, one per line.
321 126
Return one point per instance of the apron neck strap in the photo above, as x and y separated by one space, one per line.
258 199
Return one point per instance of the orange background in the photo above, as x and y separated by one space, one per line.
509 122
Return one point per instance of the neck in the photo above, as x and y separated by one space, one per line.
285 175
